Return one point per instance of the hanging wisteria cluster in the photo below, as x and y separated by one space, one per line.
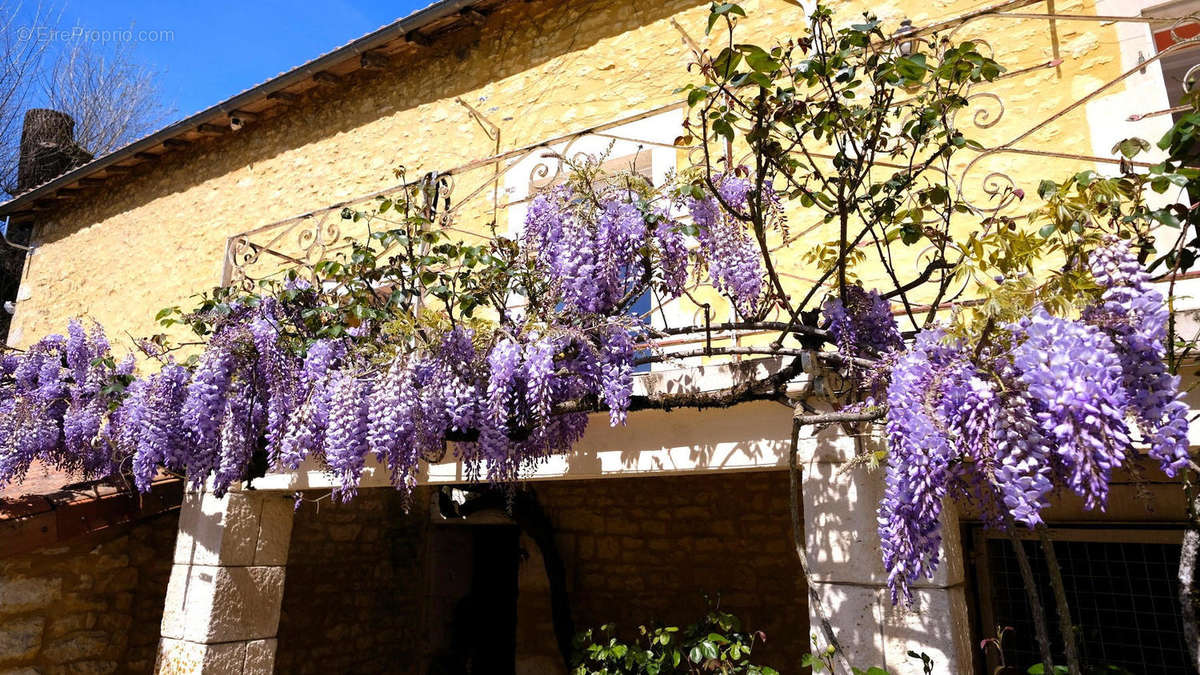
1047 399
263 392
728 249
64 403
862 323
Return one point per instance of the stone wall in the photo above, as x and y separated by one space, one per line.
536 69
644 549
91 607
354 592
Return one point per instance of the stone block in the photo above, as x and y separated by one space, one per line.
260 657
856 613
83 668
829 445
23 594
180 657
842 531
61 625
207 604
76 646
99 560
21 638
115 623
124 579
174 602
218 531
274 531
936 623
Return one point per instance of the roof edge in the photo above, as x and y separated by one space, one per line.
399 28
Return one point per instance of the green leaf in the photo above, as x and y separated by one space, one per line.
723 129
1131 147
726 62
758 59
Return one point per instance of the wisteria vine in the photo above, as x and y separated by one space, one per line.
265 387
1049 399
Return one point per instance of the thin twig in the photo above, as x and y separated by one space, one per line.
1035 602
1060 598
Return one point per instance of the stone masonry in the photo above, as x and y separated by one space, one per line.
88 608
639 550
221 611
354 597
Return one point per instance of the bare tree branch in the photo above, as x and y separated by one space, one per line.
112 98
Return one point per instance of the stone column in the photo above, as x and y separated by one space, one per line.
841 535
221 613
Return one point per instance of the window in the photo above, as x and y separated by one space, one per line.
1122 590
1180 69
646 144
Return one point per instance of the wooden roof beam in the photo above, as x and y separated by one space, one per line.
243 115
418 38
374 60
473 16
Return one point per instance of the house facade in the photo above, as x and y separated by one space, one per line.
654 520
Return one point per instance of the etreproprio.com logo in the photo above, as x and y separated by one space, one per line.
83 34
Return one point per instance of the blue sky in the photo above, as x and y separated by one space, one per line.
215 50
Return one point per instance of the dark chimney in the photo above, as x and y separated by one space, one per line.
48 148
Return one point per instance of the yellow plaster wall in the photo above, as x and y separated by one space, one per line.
537 69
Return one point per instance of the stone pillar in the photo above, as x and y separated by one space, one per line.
221 613
841 534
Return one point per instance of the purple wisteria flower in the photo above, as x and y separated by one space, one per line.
863 324
1023 458
148 423
599 249
1073 372
1135 316
346 437
919 464
731 253
392 407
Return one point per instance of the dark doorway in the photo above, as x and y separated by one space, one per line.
475 600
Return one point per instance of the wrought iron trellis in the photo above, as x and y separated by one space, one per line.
467 199
307 238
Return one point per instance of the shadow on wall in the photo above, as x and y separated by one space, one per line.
92 605
356 592
646 549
